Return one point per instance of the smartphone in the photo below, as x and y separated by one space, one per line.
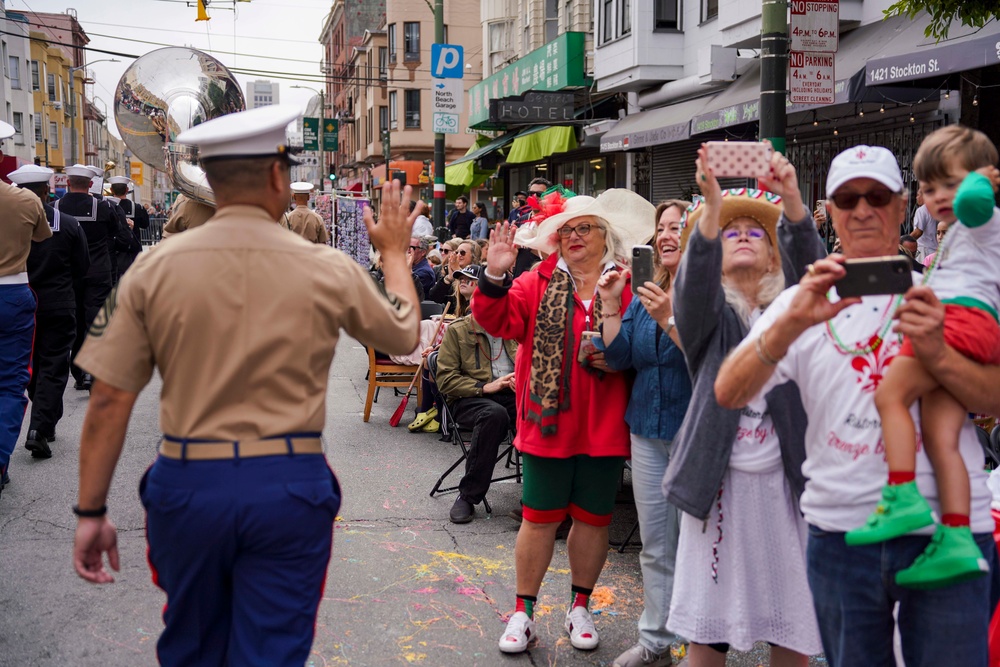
891 274
642 266
750 159
587 346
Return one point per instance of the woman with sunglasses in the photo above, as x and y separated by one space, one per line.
571 428
736 475
467 253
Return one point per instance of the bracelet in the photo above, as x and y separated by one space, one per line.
90 514
762 353
501 279
608 316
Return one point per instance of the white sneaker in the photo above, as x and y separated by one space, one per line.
580 626
520 632
640 656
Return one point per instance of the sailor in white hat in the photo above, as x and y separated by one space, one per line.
242 320
136 218
21 222
104 231
307 224
55 266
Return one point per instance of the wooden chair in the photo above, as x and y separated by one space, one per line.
382 372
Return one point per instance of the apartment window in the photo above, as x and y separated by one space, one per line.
393 111
392 42
38 130
709 9
50 80
35 78
383 63
18 123
499 36
412 109
411 41
369 69
551 20
15 72
608 20
53 135
626 16
383 118
369 126
6 62
666 15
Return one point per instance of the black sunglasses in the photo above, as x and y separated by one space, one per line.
463 253
877 198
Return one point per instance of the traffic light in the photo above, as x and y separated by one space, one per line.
332 174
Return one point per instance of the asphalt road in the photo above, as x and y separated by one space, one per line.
405 585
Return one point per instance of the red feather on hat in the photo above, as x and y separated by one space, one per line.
549 205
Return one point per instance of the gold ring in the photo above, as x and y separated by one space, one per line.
811 270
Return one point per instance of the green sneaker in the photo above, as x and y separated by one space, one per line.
901 511
951 557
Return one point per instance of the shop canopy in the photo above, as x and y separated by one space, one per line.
662 125
539 143
464 173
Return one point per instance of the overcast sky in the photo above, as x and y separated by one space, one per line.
251 37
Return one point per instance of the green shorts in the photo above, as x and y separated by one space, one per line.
582 486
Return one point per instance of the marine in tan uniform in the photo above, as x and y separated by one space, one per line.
307 224
186 213
22 220
241 320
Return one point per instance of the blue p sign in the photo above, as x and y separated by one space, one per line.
447 61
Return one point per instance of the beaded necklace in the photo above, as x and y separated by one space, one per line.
886 322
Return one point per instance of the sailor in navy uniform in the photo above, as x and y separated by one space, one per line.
101 227
57 267
136 219
241 451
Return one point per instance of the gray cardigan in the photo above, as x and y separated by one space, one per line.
709 329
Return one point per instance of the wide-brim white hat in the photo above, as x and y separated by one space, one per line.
627 213
6 130
30 173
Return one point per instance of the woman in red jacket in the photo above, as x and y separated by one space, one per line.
571 428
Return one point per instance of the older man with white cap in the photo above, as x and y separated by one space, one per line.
241 319
21 222
102 228
56 266
307 224
135 217
836 351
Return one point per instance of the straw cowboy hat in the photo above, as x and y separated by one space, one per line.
764 207
624 211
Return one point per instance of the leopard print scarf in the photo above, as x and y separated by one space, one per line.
554 349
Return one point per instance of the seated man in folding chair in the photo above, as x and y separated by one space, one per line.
475 374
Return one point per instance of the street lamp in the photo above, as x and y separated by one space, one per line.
72 101
322 116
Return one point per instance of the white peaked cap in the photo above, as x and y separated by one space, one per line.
80 170
255 133
301 187
120 180
30 173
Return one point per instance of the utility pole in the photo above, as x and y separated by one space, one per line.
773 71
387 153
439 187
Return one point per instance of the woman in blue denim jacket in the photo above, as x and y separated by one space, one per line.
644 339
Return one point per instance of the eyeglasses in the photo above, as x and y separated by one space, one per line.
463 253
755 233
445 251
876 198
581 230
414 247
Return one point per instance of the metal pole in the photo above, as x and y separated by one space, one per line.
773 71
322 154
439 187
72 117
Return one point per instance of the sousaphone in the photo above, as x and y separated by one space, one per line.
164 93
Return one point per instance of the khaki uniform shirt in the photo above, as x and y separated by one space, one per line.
186 214
22 220
241 319
308 224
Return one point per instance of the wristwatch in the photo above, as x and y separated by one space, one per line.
671 323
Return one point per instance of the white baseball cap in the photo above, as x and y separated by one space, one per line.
30 173
874 162
301 187
246 134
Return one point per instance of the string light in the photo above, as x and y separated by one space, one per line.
912 118
835 131
975 100
882 109
947 94
861 113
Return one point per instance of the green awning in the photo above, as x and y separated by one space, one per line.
463 175
479 149
535 145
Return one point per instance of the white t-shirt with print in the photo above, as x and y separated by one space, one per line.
756 447
845 456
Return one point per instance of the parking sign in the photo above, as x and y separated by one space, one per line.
447 61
